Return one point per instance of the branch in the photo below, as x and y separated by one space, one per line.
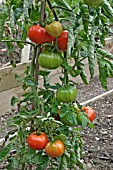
25 42
53 11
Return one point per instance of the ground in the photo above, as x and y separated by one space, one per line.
98 142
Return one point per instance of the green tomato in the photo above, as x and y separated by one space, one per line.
92 3
50 60
66 94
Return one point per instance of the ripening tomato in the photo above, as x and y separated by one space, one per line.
55 149
63 41
37 142
66 94
91 113
39 35
54 29
49 60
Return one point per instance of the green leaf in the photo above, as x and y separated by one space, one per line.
71 39
80 67
40 160
102 72
85 16
14 100
69 119
5 152
91 50
66 66
108 10
74 73
44 72
12 21
3 16
63 3
105 53
64 139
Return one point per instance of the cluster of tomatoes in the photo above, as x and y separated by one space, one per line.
40 142
40 35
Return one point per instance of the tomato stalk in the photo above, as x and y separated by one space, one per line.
53 11
66 79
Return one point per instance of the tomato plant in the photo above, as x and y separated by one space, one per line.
37 142
66 94
54 29
50 60
49 107
39 35
91 113
55 149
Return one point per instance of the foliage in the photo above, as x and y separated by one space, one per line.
39 109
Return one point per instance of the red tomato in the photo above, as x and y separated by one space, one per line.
37 142
91 113
63 40
39 35
55 149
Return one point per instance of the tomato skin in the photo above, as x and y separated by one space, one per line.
37 142
91 113
66 94
55 149
63 41
39 35
54 29
50 60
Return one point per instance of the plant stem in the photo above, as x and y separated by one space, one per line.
42 11
66 79
53 11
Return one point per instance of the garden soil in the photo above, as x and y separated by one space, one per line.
98 142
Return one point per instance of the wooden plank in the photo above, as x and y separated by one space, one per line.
7 76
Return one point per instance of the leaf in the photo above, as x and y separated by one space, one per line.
5 152
14 100
85 16
44 72
64 139
108 10
12 21
74 73
80 67
40 160
66 66
63 3
102 72
3 16
71 39
91 50
105 53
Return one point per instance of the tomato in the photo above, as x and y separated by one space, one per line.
66 94
91 113
50 60
54 29
39 35
93 3
55 149
37 142
63 41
